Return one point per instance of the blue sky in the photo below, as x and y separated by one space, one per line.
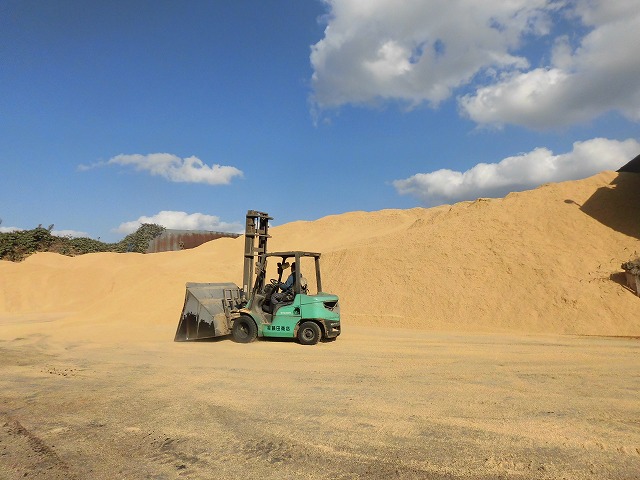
190 113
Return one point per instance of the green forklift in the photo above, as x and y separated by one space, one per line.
296 309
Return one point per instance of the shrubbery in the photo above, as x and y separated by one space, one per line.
16 246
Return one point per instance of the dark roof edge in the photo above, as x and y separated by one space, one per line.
633 166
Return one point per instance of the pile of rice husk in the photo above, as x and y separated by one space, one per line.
541 261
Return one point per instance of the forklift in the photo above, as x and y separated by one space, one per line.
261 308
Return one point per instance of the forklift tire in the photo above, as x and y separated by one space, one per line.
244 330
309 333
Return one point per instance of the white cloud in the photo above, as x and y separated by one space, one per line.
598 76
417 51
421 52
520 172
182 221
174 168
10 229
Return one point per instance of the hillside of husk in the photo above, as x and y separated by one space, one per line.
546 260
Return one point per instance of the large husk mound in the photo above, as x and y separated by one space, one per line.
542 261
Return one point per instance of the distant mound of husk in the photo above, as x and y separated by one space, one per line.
541 261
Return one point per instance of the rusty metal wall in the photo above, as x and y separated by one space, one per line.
171 240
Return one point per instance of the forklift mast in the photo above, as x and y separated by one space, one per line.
256 232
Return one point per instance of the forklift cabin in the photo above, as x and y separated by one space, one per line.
261 301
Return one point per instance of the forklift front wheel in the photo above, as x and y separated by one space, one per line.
244 330
309 333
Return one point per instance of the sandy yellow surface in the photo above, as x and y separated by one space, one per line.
374 404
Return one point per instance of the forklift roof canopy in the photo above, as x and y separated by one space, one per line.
293 254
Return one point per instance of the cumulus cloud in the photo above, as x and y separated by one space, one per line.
182 221
579 84
520 172
417 51
10 229
174 168
420 52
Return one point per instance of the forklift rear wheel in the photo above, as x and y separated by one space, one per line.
244 330
309 333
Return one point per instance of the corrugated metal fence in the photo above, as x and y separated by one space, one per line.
171 240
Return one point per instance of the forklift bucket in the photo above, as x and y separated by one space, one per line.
207 310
